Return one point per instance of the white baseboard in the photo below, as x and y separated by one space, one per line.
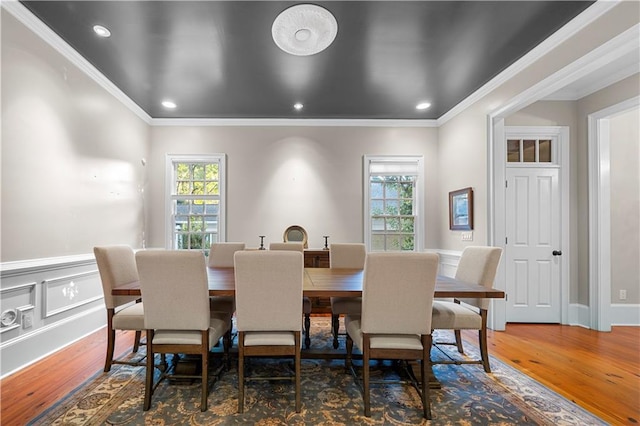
18 353
620 314
579 315
625 314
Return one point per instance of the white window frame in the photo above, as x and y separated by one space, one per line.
170 186
415 161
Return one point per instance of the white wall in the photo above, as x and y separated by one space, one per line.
71 169
625 206
282 176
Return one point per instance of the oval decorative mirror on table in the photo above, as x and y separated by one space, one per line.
296 233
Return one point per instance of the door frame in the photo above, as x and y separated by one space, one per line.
600 213
496 162
562 135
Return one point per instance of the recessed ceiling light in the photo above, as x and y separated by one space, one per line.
169 104
101 31
423 105
298 106
304 29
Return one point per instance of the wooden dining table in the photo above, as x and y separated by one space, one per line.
328 282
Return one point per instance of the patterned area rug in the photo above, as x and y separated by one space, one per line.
330 396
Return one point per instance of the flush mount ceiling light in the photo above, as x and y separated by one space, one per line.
298 106
423 105
101 31
304 29
169 104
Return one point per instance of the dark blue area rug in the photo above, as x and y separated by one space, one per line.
330 396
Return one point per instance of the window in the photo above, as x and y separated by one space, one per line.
393 213
195 201
530 150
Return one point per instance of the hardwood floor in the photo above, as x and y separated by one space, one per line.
598 371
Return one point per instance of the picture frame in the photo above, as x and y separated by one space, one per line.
461 209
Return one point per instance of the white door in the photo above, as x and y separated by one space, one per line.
533 230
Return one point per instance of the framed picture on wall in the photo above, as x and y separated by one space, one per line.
461 209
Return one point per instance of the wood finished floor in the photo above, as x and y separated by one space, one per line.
598 371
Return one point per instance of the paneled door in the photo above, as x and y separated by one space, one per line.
533 221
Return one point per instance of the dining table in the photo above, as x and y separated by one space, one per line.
330 282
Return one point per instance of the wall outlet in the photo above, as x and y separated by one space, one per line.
623 294
27 320
467 236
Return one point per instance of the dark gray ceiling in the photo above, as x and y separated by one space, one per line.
216 59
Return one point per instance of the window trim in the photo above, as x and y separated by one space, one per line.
170 160
418 160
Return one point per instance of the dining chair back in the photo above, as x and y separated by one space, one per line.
221 256
117 266
174 286
306 302
345 256
478 265
268 309
397 297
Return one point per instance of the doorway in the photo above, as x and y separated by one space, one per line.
534 223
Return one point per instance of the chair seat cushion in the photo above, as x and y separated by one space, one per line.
454 316
346 305
226 304
129 318
269 338
218 325
381 341
306 305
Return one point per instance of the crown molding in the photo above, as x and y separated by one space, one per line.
592 13
624 44
24 15
291 122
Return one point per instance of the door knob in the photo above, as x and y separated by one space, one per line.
556 253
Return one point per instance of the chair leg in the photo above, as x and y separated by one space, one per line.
226 344
459 341
307 327
365 375
347 360
297 361
335 327
205 370
240 372
425 367
148 386
111 337
484 352
136 341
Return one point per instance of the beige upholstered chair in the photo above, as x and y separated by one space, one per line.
477 265
221 256
306 302
174 287
345 256
268 309
397 295
117 266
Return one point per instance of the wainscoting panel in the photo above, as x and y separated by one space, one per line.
46 305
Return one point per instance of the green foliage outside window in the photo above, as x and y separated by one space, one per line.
392 213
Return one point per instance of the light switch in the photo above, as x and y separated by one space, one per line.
467 236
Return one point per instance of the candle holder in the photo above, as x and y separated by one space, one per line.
261 242
326 244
